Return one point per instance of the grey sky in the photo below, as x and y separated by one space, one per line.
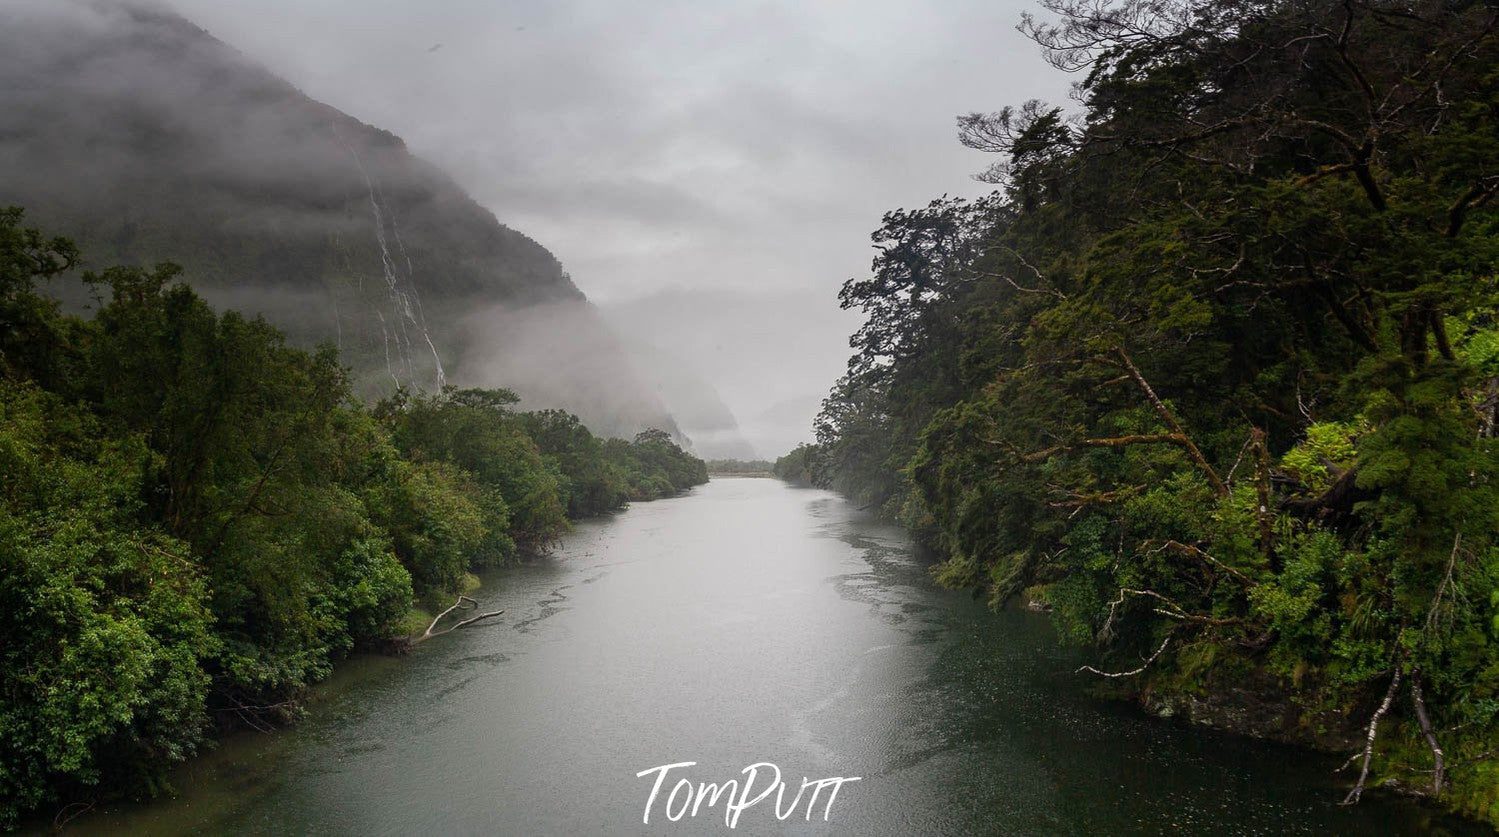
693 153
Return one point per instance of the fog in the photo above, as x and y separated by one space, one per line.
708 173
144 139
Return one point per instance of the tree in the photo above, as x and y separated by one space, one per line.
1209 376
105 616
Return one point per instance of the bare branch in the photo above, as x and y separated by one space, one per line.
1196 552
1433 613
463 603
1228 480
1080 499
1169 419
1481 192
1167 608
1431 737
1262 492
1148 661
70 812
1389 697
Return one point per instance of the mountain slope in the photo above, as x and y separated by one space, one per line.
146 139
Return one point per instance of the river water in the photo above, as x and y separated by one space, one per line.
747 621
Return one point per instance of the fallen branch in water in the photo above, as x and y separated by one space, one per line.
464 603
254 716
70 812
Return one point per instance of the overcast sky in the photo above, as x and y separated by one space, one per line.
691 153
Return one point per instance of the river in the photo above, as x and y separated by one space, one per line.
747 621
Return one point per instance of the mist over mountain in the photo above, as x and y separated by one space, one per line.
146 139
760 344
692 398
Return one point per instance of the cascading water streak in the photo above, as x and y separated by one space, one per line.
420 317
400 297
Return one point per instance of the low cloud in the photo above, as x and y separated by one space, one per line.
738 152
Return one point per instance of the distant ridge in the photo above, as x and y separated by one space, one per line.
145 138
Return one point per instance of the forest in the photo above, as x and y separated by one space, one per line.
197 520
1213 373
740 466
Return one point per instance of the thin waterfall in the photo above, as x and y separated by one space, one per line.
387 268
420 317
401 297
385 338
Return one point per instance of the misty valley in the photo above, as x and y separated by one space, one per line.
1146 481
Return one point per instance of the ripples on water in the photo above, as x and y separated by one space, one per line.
748 621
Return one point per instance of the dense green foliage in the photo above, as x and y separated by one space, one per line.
196 519
798 466
739 466
1214 372
316 218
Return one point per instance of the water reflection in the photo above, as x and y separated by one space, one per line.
746 622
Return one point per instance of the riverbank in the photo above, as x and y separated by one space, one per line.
1216 686
745 621
1246 698
197 520
1212 685
1212 371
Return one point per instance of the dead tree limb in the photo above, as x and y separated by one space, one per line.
1433 613
1349 763
1079 499
1017 286
464 603
1167 608
1177 435
255 716
1169 419
1104 442
1229 480
1363 775
1172 610
1145 665
1476 196
1196 552
1437 757
70 812
471 620
1262 492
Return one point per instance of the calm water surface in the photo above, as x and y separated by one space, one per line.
747 621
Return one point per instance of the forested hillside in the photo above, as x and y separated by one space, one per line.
145 139
1214 373
197 519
